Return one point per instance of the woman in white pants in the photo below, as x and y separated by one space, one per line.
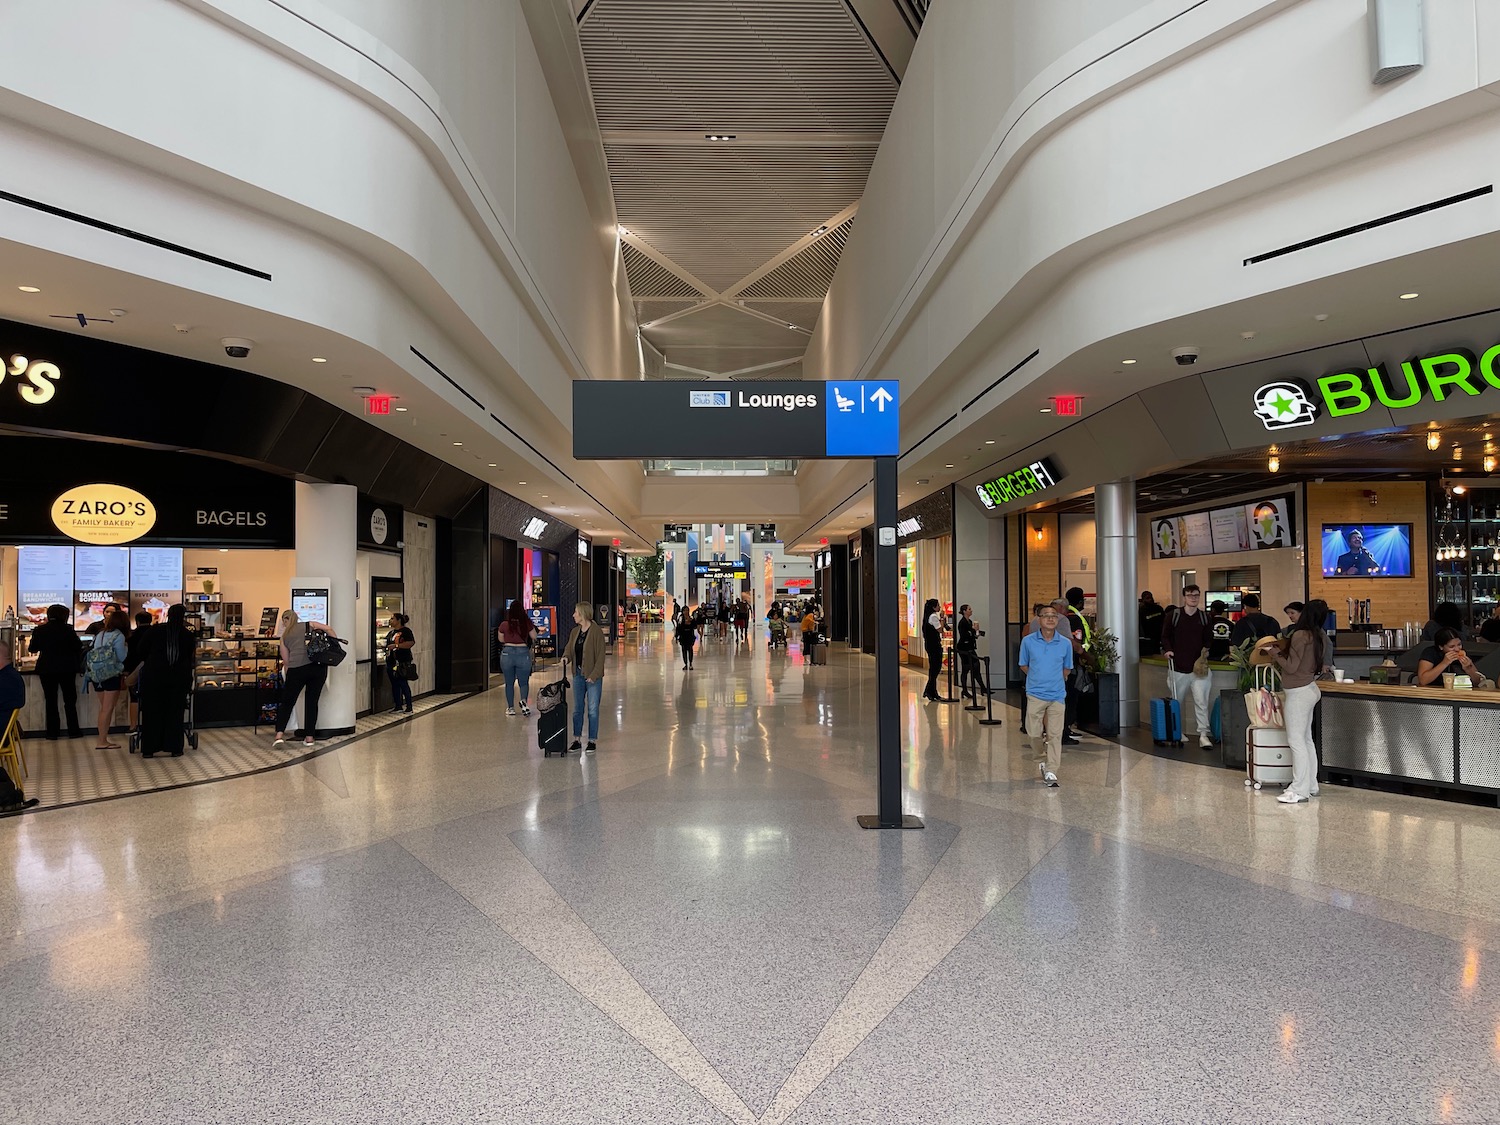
1300 661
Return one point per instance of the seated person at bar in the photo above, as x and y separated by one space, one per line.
1446 615
1445 654
1293 611
1490 630
1357 560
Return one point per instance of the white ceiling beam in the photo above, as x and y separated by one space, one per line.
790 252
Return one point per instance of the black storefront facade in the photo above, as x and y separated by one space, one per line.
925 541
218 467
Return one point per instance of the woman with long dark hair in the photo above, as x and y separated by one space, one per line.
167 653
932 641
399 642
515 656
1301 659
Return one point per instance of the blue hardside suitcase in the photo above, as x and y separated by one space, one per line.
1166 722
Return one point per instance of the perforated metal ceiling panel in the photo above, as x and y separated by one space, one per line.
736 133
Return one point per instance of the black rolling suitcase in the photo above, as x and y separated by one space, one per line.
552 718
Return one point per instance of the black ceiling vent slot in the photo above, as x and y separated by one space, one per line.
954 418
1002 379
126 232
452 382
1384 220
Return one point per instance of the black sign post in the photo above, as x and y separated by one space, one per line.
630 420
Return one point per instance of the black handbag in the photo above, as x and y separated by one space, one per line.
407 670
325 649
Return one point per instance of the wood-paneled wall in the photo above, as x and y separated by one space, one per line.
1043 561
1394 601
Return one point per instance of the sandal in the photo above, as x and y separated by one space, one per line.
108 746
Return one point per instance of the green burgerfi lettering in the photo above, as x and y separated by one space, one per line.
1033 485
1487 366
1344 394
1413 387
1463 367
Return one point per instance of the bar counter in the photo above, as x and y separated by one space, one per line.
1429 735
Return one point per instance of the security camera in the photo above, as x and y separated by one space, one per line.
235 348
1185 357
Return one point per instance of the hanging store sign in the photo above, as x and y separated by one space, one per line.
1034 478
103 514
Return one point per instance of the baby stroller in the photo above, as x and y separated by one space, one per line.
778 633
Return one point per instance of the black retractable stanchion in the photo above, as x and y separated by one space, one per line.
950 698
989 719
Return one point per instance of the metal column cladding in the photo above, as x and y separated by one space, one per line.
803 420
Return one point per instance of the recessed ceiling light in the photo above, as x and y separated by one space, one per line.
458 443
400 410
1320 317
363 390
1045 410
947 466
1127 361
319 359
493 465
520 482
820 230
1247 335
1410 296
28 288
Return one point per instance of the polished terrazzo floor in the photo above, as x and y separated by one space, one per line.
433 924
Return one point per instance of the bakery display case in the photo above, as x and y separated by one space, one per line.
233 678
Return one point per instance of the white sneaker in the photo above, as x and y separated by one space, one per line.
280 739
511 711
1050 778
1290 798
1205 742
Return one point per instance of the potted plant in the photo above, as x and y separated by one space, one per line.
1104 649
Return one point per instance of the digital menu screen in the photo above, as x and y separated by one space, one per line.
311 605
155 581
44 576
100 575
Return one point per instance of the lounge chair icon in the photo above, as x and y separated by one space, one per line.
845 404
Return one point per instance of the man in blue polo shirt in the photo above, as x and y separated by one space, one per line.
1047 661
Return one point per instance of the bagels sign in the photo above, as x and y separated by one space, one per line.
105 514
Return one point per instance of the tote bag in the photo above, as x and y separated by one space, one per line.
1264 705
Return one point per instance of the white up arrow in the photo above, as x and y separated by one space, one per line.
881 397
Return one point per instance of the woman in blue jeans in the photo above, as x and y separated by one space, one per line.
515 656
585 651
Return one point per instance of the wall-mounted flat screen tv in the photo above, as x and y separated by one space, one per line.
1367 550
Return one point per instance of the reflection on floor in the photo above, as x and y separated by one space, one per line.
72 770
436 924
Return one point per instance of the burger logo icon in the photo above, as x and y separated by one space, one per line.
1285 405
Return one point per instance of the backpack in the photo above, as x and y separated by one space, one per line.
103 662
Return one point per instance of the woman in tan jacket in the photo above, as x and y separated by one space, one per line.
585 651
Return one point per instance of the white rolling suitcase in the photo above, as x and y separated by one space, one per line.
1268 757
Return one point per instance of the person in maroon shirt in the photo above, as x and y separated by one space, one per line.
1186 635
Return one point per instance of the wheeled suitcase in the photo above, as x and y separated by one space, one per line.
1166 722
552 719
818 652
1268 757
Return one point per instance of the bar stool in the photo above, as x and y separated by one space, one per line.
11 755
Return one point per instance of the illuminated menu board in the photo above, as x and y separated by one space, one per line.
44 576
155 580
100 575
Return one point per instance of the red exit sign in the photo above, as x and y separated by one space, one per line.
378 404
1068 406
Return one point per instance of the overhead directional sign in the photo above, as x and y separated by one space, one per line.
810 419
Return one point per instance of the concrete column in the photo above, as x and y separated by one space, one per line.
1114 530
326 536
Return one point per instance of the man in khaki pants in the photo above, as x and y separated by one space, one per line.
1047 661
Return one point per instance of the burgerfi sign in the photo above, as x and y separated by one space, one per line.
1437 377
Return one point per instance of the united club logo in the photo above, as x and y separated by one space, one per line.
1285 405
708 398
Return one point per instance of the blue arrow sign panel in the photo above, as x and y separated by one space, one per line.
864 419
